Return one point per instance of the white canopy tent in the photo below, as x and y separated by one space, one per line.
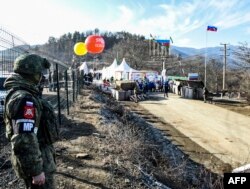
104 72
111 69
108 72
84 67
123 71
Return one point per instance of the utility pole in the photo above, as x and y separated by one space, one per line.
224 65
164 64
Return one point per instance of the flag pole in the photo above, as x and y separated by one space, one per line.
205 77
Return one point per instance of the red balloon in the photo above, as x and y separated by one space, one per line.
95 44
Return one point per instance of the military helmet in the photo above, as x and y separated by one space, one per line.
30 64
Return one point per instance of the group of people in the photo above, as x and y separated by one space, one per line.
142 88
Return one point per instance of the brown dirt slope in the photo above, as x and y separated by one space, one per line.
117 149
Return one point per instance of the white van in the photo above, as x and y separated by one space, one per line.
3 92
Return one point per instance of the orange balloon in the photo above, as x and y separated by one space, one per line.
95 44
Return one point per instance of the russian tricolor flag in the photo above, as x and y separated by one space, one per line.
212 28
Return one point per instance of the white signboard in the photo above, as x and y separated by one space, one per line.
152 76
193 76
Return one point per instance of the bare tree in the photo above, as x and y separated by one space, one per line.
135 51
214 74
243 56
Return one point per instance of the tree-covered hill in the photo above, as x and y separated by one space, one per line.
139 55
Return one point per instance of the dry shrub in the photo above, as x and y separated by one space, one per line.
135 145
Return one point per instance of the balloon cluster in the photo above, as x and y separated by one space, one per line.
93 44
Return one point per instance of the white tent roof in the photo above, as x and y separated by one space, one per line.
104 72
113 65
84 67
110 71
124 67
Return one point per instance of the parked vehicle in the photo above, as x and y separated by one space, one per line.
3 92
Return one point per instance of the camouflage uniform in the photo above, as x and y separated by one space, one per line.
28 127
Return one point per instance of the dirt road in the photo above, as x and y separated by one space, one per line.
221 132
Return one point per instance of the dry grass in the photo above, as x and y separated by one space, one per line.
125 152
139 146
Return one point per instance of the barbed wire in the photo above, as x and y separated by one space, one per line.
10 38
11 46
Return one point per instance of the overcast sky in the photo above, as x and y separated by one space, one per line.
185 21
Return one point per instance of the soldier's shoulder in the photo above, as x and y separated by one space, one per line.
19 94
15 97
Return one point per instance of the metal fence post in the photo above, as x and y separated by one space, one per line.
73 78
67 90
58 95
77 89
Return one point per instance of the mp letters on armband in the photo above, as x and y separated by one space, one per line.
26 125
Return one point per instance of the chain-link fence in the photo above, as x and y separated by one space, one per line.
59 76
10 48
61 88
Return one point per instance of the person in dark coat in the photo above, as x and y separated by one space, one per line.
136 91
166 88
205 94
179 89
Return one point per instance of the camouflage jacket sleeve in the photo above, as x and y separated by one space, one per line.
23 112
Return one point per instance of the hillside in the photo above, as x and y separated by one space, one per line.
212 53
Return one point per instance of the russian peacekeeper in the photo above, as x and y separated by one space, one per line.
31 124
